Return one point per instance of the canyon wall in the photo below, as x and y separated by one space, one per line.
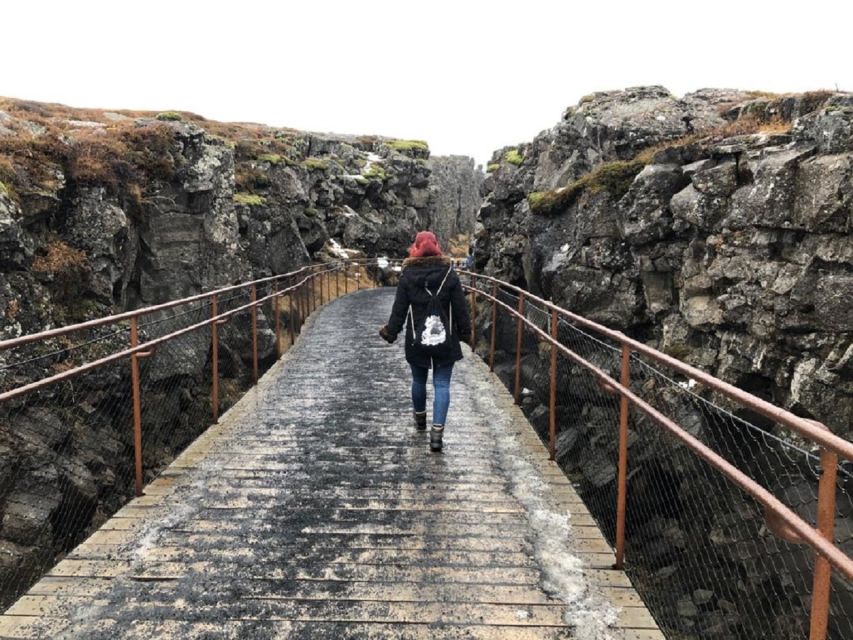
717 228
108 211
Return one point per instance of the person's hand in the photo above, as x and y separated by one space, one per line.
387 336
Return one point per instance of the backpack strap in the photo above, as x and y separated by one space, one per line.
443 280
449 269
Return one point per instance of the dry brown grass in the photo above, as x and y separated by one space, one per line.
125 155
60 258
12 309
748 125
616 177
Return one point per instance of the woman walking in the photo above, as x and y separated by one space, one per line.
431 305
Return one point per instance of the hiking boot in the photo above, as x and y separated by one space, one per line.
420 420
435 437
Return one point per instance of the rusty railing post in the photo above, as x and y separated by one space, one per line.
622 487
826 527
277 311
321 275
519 334
137 407
306 298
552 398
214 360
494 326
298 293
254 335
305 301
338 281
473 318
290 318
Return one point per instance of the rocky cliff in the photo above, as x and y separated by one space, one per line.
108 211
716 227
455 185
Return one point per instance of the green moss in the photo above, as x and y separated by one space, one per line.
679 351
361 180
315 164
408 145
311 212
514 157
170 116
536 199
249 199
614 178
376 172
493 167
272 158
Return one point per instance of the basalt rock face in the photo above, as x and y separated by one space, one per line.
717 228
732 252
455 187
103 212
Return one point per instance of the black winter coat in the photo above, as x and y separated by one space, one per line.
418 275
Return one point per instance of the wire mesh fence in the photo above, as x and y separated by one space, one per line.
705 556
59 452
67 448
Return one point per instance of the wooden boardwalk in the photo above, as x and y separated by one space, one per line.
315 510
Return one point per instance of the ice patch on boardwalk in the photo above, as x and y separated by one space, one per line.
550 532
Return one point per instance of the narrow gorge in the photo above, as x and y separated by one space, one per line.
715 227
102 212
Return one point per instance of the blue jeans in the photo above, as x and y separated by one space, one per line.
441 385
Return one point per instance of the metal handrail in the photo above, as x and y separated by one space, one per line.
816 432
138 350
782 520
136 313
793 527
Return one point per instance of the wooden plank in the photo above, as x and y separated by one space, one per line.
329 536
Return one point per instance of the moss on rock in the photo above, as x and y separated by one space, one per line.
249 199
170 116
408 145
375 172
614 178
514 157
313 163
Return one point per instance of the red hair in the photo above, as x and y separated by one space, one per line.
426 244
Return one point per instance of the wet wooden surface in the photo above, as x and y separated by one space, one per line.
315 510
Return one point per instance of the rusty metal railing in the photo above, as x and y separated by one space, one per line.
781 519
64 374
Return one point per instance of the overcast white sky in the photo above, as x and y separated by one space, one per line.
466 76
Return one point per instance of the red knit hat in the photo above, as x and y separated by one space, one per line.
426 244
